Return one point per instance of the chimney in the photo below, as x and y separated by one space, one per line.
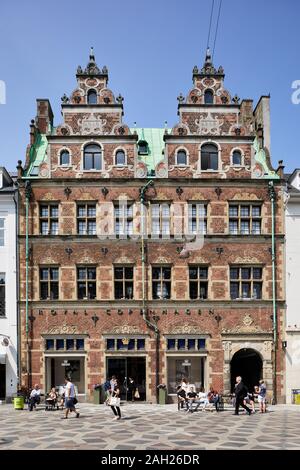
44 117
280 168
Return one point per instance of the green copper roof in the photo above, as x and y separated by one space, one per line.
155 140
37 155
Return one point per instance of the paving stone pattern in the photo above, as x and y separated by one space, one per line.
146 426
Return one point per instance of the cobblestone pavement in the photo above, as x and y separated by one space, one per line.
148 427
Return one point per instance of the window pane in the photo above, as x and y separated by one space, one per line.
121 345
129 273
236 158
81 211
118 273
201 343
91 211
60 344
120 157
214 161
44 272
119 290
1 223
234 290
257 273
81 273
91 273
166 292
203 290
64 158
54 290
69 344
245 227
54 211
44 211
171 344
54 274
193 290
49 344
181 343
181 157
203 273
88 161
246 273
91 227
191 344
131 345
156 273
155 210
81 227
91 290
110 344
81 290
245 211
80 344
54 228
233 211
233 227
140 343
234 273
166 226
92 97
166 273
256 227
44 290
208 97
97 161
193 272
257 290
246 290
256 210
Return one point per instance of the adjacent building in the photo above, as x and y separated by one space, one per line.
152 253
8 286
292 339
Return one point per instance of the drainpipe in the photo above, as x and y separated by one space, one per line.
16 201
150 325
27 199
272 196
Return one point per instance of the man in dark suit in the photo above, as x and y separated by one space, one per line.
240 393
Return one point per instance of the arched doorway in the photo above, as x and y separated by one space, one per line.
248 364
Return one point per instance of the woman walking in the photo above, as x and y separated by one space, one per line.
114 399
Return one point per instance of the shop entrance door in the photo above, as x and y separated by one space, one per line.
124 368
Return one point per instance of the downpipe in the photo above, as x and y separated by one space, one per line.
272 195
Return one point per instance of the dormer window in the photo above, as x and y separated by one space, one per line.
92 97
208 97
237 158
64 158
120 157
181 157
142 147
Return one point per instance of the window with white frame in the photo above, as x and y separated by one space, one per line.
2 231
161 282
120 158
49 219
236 158
197 213
86 219
123 215
181 157
64 158
160 219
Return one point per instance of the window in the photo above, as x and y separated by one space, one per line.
123 282
86 219
92 97
120 157
127 344
142 147
86 283
2 295
2 231
209 157
245 282
92 157
160 219
208 97
161 282
181 158
64 159
244 219
64 344
198 218
198 279
123 218
49 283
237 158
185 344
49 219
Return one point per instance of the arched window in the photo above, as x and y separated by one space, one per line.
236 157
92 97
209 157
120 157
64 158
142 147
208 97
92 157
181 157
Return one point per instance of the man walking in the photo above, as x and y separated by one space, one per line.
240 393
69 398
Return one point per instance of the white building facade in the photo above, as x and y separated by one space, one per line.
8 287
292 215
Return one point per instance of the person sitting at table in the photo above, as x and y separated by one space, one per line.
35 397
52 397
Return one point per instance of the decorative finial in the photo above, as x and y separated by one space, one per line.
208 57
92 56
180 98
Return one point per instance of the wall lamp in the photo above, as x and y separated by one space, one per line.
219 250
104 191
104 250
179 191
69 251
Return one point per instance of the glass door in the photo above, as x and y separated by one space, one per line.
118 367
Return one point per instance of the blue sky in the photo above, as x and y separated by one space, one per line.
150 48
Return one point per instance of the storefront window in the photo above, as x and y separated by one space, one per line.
125 344
70 344
185 344
191 368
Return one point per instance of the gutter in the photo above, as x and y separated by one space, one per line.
16 201
272 195
27 199
150 325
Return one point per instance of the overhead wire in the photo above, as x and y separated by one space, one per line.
217 25
210 21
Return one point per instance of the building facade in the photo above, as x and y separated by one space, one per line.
8 287
292 351
149 251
